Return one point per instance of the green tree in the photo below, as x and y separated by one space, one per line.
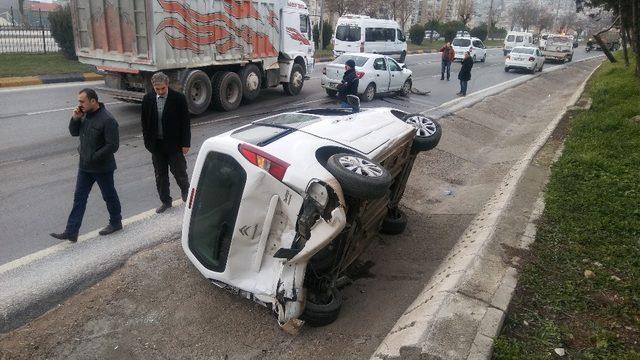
450 28
62 31
479 31
327 33
416 34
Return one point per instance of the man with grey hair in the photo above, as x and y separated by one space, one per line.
166 130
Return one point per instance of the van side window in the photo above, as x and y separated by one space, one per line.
400 36
389 34
378 64
374 34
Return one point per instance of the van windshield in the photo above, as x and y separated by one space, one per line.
461 42
519 38
510 38
348 33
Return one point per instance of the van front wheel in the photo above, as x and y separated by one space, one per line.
403 56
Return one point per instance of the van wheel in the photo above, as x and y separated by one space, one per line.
322 310
505 52
484 58
359 177
197 90
331 93
296 81
394 223
428 132
402 56
251 82
227 91
369 93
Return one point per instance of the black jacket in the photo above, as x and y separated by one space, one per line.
465 71
349 85
99 140
176 125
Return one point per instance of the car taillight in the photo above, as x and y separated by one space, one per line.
269 163
191 196
362 47
324 71
531 58
359 74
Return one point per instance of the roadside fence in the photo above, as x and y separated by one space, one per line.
33 39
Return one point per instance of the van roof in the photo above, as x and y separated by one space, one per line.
366 20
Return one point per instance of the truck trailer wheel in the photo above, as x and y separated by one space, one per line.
296 80
251 82
227 91
197 89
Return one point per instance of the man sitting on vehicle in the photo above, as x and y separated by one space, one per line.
349 84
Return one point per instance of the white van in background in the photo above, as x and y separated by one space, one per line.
517 38
360 33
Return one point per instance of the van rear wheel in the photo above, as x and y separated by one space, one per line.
403 56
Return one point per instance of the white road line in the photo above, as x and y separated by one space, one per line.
25 260
65 109
50 86
214 121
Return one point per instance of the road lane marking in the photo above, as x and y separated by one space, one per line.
50 86
65 109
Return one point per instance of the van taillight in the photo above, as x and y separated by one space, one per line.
191 196
362 47
359 74
269 163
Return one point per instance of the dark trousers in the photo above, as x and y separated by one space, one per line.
163 161
463 87
446 66
84 183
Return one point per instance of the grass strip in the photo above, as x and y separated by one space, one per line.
39 64
579 288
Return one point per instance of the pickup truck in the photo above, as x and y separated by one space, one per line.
558 47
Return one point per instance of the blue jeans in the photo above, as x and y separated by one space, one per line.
345 105
446 65
463 87
84 183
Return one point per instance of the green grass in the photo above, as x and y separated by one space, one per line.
591 222
39 64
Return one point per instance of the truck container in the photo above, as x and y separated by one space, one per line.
217 52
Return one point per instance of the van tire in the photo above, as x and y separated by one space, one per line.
296 81
251 82
227 91
369 93
505 52
316 315
331 93
403 56
197 90
359 186
484 58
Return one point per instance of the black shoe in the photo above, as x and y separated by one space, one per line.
109 229
441 78
65 236
163 208
184 196
447 79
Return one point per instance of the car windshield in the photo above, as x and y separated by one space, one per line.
461 42
289 120
523 51
348 33
342 59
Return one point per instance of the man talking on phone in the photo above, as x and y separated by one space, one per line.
99 140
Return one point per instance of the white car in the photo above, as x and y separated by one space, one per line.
279 209
377 74
476 48
524 58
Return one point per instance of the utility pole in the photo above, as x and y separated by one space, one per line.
321 40
489 19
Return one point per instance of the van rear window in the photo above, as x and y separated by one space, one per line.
461 42
348 33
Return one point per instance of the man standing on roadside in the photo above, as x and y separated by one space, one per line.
448 55
465 73
166 130
99 140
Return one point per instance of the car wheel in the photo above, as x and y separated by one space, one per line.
197 90
406 88
570 58
484 58
504 52
402 56
394 223
369 93
359 177
320 312
506 69
251 82
331 93
227 91
428 132
296 80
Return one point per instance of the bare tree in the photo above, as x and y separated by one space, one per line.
567 21
339 7
545 20
465 11
525 13
403 12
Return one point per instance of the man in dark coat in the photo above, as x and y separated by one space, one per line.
448 54
465 73
166 130
99 140
349 84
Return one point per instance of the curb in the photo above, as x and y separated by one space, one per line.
48 79
443 303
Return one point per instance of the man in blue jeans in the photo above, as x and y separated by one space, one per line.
99 140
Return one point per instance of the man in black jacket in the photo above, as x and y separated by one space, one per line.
349 84
166 130
465 73
99 140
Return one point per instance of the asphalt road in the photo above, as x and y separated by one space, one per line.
38 160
